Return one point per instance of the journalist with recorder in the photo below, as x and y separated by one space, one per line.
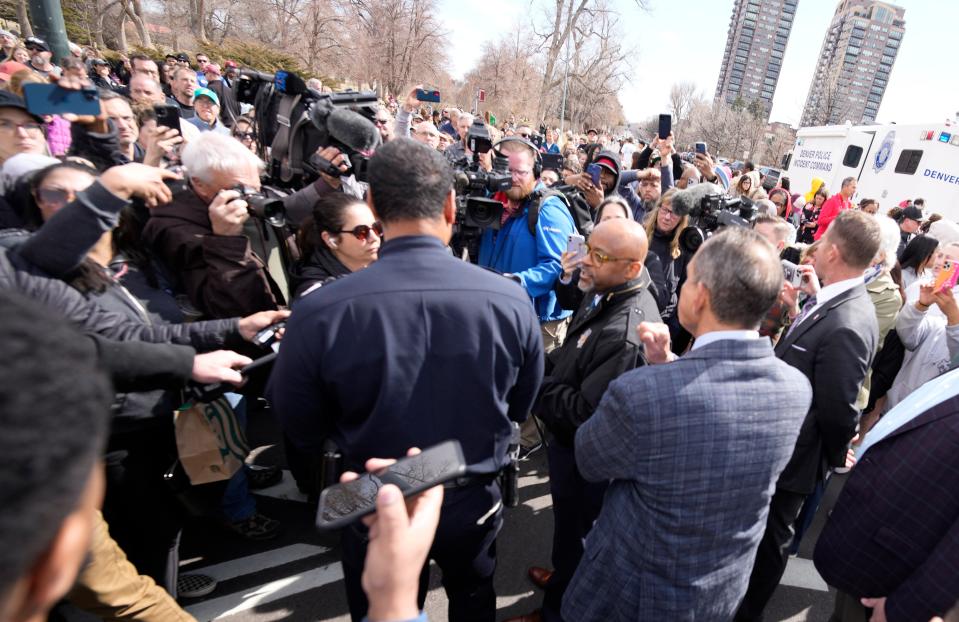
416 349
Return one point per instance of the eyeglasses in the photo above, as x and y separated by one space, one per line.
516 173
54 196
599 258
362 232
30 128
665 211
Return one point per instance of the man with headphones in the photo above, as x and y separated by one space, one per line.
530 257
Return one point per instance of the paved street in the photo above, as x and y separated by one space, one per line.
297 577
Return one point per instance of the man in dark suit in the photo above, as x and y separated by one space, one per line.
832 341
602 342
416 349
892 539
693 449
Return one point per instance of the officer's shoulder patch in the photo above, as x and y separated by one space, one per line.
636 316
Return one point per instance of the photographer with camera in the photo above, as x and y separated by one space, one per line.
200 238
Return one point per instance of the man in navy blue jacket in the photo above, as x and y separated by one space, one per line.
414 350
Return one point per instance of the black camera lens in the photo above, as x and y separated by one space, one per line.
692 238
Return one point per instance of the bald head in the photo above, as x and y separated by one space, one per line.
618 249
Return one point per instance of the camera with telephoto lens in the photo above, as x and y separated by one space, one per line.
475 212
266 205
713 212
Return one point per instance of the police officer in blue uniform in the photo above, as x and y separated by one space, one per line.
416 349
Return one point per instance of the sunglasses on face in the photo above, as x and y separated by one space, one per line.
362 232
244 135
54 196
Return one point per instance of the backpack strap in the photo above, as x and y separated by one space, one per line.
535 202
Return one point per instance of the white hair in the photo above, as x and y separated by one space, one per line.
464 115
765 206
888 241
211 153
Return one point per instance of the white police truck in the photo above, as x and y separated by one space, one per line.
892 163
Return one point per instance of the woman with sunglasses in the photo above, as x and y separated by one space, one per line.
341 237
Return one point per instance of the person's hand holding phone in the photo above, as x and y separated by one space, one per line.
250 325
704 163
593 194
162 144
412 103
946 301
141 181
570 260
400 537
219 366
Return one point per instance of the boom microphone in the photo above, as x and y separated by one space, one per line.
685 201
344 126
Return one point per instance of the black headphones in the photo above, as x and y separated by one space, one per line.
537 156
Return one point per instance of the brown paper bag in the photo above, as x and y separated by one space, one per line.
210 441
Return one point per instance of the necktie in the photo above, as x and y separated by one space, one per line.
807 308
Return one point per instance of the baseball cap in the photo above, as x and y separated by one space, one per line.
230 63
203 92
182 57
912 213
11 100
11 67
7 33
99 61
607 163
36 42
212 68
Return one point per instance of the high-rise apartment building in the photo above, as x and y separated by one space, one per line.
854 64
758 33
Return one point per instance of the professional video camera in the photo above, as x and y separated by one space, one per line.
709 210
293 121
474 211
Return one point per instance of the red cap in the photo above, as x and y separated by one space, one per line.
230 63
11 67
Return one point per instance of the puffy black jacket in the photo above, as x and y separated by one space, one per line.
602 342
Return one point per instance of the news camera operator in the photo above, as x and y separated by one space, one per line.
200 238
435 326
530 258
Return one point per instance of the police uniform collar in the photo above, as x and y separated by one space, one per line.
628 287
411 242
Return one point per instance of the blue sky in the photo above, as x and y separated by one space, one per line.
923 87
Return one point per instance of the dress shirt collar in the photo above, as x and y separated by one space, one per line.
829 292
719 335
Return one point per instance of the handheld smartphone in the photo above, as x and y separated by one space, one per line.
269 335
593 170
700 148
344 503
665 125
577 245
428 95
168 115
791 273
258 363
44 99
946 278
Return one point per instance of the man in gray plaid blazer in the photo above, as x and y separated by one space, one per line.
693 448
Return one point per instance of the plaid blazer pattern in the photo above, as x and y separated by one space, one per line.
693 449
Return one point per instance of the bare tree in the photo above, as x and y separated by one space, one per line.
682 97
23 18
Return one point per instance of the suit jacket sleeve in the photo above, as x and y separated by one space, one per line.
565 407
530 376
608 439
932 588
841 365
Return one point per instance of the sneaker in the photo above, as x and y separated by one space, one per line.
194 585
257 527
259 477
526 452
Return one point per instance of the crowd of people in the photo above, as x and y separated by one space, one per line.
692 402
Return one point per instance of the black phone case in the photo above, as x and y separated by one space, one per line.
408 491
